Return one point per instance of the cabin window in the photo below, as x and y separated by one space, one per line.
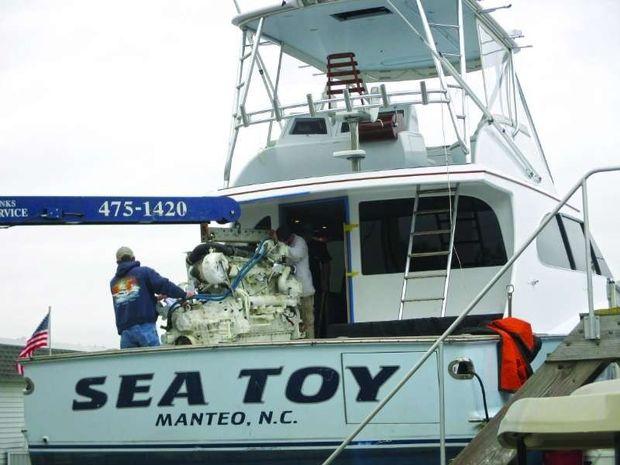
551 248
384 233
308 126
599 261
575 237
562 244
576 242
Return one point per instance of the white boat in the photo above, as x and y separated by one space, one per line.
420 148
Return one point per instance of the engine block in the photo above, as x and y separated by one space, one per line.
245 293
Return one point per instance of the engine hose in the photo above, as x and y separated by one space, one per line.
258 255
174 307
201 250
200 297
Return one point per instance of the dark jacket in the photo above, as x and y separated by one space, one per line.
133 292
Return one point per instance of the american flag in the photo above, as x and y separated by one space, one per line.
38 339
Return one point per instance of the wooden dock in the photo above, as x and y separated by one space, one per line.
575 362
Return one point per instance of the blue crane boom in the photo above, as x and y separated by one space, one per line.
36 211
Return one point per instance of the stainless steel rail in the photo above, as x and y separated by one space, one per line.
317 107
590 323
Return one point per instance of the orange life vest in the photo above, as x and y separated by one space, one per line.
518 347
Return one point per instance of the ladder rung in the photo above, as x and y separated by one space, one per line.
343 82
422 299
438 190
429 254
460 116
442 274
450 54
342 73
340 91
433 212
340 55
433 232
342 65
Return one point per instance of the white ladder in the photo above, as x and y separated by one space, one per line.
452 195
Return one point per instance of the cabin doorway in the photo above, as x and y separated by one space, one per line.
321 224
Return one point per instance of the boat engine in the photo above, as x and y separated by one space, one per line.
245 292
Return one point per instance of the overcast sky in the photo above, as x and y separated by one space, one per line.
128 97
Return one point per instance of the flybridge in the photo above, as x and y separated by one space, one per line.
363 48
37 211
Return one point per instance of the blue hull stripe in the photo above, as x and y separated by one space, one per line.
254 445
422 454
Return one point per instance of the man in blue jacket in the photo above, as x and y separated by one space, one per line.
133 292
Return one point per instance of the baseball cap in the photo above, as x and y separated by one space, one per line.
123 252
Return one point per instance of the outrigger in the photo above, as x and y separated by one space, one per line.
417 164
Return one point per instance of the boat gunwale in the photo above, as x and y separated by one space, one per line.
298 343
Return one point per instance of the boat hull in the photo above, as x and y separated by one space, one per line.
260 403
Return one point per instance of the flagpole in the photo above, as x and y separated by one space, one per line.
49 328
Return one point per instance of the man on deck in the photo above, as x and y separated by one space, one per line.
298 257
134 290
320 269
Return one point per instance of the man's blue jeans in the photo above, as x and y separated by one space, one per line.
143 335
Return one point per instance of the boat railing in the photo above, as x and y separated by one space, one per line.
591 321
328 106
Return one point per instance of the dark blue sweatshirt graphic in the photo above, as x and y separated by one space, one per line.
133 292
